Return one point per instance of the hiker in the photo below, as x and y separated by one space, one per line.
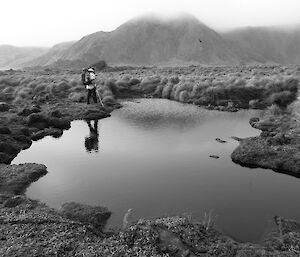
88 78
91 142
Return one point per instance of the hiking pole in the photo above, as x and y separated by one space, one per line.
98 95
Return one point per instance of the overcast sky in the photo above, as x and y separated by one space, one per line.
47 22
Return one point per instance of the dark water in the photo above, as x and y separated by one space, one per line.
153 157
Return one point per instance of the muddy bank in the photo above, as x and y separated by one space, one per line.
30 228
276 148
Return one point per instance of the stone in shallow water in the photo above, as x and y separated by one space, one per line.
220 140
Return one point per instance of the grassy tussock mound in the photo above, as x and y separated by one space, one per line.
242 87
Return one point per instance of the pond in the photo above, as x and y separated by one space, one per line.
153 156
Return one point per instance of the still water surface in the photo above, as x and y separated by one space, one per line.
153 156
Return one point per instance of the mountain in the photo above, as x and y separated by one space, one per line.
152 40
149 40
54 54
266 44
12 57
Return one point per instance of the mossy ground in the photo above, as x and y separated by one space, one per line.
277 147
33 229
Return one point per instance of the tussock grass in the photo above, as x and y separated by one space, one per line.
244 87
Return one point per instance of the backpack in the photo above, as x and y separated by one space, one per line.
88 77
84 77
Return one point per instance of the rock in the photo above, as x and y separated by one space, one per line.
214 156
5 130
220 140
4 107
91 215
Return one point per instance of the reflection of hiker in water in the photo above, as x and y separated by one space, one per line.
91 142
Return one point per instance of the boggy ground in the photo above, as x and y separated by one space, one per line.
276 148
30 228
46 105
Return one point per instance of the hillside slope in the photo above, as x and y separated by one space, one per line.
52 55
151 40
12 57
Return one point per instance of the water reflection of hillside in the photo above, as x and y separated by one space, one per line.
165 113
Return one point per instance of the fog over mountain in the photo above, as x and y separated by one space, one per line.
271 44
151 40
